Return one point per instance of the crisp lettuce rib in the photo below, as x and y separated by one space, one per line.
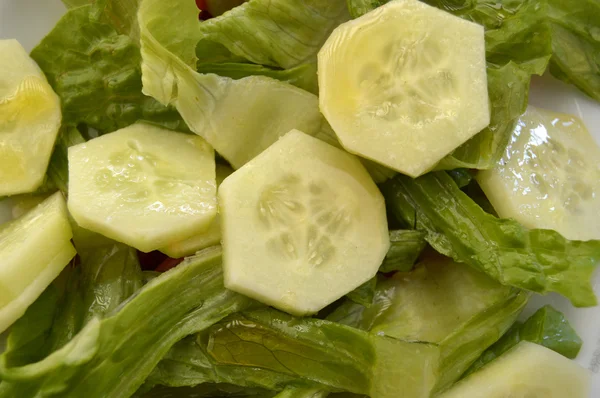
537 260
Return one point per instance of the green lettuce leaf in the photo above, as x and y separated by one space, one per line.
58 168
547 327
462 177
305 357
280 33
405 248
111 356
365 293
302 76
109 273
461 310
96 72
537 260
328 354
239 118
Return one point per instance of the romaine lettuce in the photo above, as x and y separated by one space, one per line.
279 33
96 72
405 248
442 302
269 349
111 356
547 327
537 260
239 118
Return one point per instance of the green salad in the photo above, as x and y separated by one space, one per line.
297 199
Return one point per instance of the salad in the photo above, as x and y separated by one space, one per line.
297 199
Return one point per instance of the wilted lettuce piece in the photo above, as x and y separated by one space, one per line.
460 309
96 72
537 260
547 327
281 33
239 118
302 76
58 168
329 354
111 356
365 293
405 248
462 177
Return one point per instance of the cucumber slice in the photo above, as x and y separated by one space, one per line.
303 224
405 84
34 250
143 185
549 176
526 371
210 237
29 121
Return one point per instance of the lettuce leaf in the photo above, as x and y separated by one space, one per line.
112 355
537 260
96 72
109 273
58 168
302 76
239 118
405 248
332 355
461 310
365 293
306 357
547 327
279 33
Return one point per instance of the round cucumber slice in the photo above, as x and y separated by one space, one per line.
30 118
303 224
210 237
143 185
405 84
549 176
34 250
526 371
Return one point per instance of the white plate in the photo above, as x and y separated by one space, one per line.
29 20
